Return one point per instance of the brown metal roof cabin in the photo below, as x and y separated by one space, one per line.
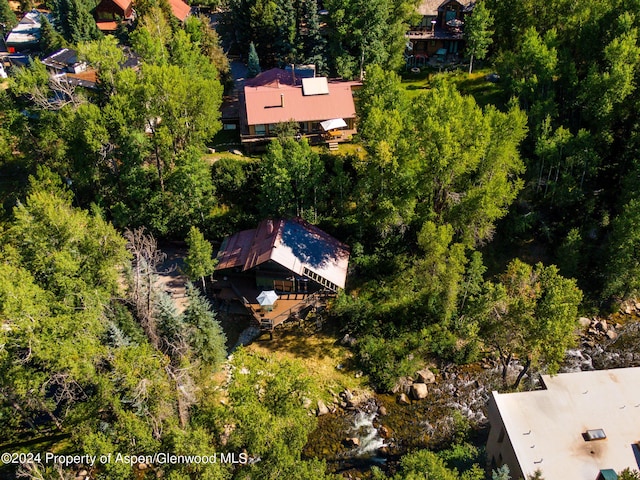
297 260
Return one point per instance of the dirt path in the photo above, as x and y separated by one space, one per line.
173 280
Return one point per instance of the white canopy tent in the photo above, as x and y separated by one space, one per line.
333 124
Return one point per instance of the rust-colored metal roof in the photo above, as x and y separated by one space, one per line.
123 4
180 9
277 102
294 244
271 76
107 26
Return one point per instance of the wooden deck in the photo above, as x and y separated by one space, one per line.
288 306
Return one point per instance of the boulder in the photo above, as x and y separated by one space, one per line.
403 399
612 335
322 408
425 376
419 391
602 325
382 411
352 442
347 395
584 322
403 385
385 432
348 340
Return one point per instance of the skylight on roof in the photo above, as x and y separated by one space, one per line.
596 434
315 86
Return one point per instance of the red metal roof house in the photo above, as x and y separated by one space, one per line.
277 96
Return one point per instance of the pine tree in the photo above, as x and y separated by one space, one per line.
50 40
253 64
314 43
7 17
75 22
206 335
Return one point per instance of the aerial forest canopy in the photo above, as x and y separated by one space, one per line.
342 39
479 226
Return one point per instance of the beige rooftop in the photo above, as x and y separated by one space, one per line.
544 429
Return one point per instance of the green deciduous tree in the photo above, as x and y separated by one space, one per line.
426 464
104 55
152 36
199 261
531 314
623 266
477 32
206 37
439 158
291 176
530 70
269 420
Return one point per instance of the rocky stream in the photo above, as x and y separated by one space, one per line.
358 429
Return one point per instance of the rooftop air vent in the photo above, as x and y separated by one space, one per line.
596 434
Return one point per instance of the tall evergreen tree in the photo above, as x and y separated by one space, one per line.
7 17
313 43
253 63
50 40
75 22
206 335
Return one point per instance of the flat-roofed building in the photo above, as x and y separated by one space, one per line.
581 426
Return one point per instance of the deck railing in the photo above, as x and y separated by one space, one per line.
271 323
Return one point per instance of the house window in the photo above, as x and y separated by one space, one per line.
272 128
261 129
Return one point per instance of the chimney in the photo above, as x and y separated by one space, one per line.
293 73
282 100
269 226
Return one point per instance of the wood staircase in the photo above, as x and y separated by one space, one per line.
333 146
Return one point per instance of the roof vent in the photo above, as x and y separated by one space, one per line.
596 434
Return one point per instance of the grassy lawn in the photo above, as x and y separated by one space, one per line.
351 148
328 362
485 92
